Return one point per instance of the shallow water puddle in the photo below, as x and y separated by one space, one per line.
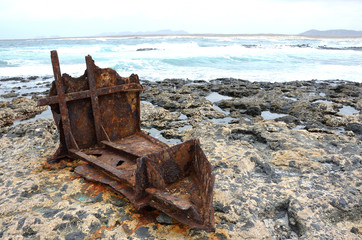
23 87
153 132
215 97
182 117
271 116
348 110
225 120
147 102
291 98
46 114
323 101
180 129
299 127
217 108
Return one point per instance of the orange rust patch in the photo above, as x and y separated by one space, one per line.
98 233
93 189
73 176
180 228
60 165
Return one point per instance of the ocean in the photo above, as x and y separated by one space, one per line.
254 58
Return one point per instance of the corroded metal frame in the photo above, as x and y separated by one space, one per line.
98 119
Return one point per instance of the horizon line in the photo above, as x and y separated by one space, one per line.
185 35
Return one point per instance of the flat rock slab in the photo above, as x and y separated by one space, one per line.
288 178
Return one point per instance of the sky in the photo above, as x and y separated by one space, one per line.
21 19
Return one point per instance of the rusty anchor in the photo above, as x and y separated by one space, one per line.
98 119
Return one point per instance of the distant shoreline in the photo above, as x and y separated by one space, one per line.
284 36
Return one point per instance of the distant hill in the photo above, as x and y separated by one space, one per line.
160 32
332 33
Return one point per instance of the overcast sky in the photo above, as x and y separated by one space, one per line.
72 18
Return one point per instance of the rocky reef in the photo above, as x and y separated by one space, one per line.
18 109
287 159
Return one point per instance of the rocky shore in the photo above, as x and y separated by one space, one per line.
287 159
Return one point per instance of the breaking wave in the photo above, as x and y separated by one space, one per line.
157 58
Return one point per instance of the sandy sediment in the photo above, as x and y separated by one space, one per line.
287 159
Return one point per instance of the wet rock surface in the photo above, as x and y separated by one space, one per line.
17 109
287 159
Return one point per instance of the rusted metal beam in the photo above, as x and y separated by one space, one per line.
94 98
86 93
69 139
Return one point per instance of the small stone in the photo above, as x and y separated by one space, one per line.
350 134
164 219
51 213
21 223
293 235
316 226
28 232
248 224
75 236
143 232
64 188
98 198
34 187
292 164
288 119
68 217
82 214
273 129
253 111
60 227
220 164
118 201
37 221
354 230
219 207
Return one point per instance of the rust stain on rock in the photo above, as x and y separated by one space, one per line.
98 119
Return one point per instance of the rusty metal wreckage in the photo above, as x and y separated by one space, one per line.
98 119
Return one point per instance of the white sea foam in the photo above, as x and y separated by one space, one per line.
254 58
